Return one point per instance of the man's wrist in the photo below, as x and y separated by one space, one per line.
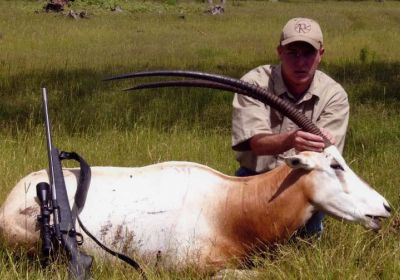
289 140
272 144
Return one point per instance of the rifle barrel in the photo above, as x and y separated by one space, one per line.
49 143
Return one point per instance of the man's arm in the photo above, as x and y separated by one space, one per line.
251 131
333 122
273 144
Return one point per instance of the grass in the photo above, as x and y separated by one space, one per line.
108 127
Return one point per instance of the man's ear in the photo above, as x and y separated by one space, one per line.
279 50
299 161
321 54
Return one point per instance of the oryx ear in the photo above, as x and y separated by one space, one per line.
299 161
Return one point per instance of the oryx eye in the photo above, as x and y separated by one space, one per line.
337 166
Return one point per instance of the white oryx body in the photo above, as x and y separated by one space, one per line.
190 213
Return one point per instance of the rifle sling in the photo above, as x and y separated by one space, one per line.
83 181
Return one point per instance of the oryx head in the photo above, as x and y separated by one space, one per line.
338 191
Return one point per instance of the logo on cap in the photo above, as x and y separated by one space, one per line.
302 27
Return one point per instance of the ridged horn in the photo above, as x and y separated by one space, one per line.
232 85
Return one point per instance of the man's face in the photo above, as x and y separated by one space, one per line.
299 62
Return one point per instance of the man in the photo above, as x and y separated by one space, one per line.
261 136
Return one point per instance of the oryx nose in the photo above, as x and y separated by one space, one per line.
387 208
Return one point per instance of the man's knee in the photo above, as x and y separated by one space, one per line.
313 227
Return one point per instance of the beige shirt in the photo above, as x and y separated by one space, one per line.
325 103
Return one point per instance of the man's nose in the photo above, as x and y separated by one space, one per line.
298 54
300 58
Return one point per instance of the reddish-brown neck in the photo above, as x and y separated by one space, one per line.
265 208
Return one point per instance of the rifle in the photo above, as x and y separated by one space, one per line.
54 201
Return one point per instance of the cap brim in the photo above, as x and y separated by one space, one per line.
317 45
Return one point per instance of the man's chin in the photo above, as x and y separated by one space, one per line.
301 83
302 77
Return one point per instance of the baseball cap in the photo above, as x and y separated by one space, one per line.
302 29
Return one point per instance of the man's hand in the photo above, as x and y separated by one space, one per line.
304 141
274 144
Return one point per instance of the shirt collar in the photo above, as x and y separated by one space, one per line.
280 87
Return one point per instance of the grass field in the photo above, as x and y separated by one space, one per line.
109 127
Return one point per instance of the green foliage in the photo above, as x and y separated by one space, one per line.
110 127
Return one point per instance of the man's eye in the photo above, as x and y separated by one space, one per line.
310 53
293 53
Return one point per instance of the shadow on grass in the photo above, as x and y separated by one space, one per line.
375 82
79 100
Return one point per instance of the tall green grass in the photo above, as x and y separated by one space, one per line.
110 127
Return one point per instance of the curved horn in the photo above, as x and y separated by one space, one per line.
187 83
235 85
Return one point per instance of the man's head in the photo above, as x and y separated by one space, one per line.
300 51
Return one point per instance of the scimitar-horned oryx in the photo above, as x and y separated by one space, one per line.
185 213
